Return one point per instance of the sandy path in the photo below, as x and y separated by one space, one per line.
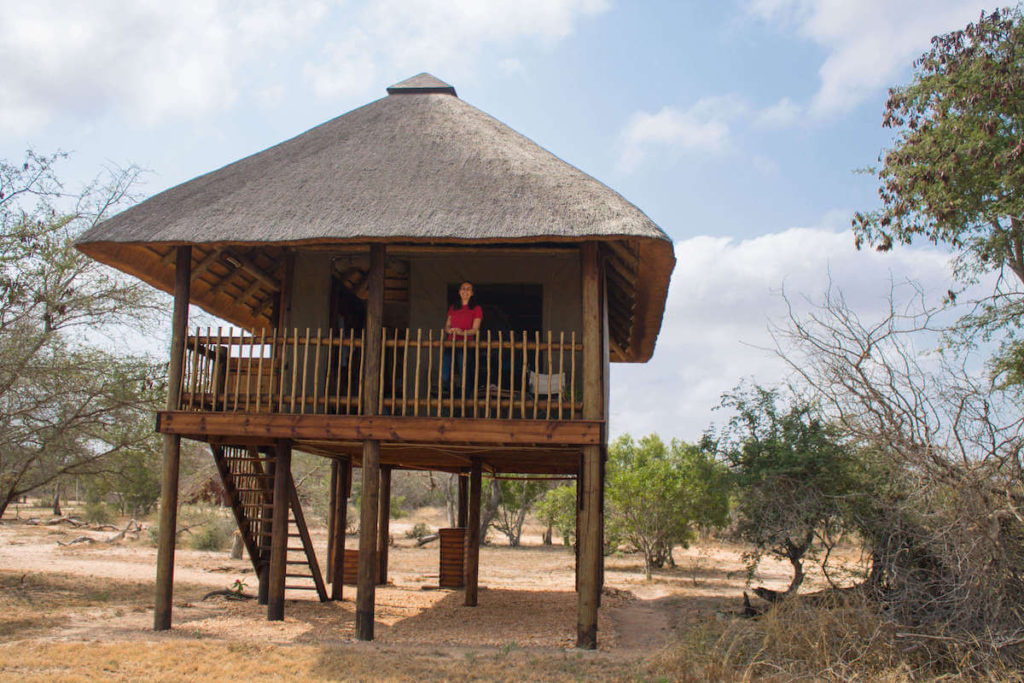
526 598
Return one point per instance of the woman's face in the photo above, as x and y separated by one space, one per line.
465 291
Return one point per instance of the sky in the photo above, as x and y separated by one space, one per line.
741 127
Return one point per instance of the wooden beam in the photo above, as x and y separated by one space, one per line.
172 445
393 429
471 564
589 533
624 250
279 531
384 524
332 518
205 264
462 510
365 590
263 573
248 266
344 473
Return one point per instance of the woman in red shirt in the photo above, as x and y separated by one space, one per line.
463 321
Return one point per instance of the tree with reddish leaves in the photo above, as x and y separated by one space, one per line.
955 173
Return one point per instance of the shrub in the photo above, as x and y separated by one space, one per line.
98 513
851 639
418 532
214 534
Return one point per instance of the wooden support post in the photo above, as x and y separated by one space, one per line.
472 560
172 446
384 524
589 533
332 519
365 589
462 509
340 522
579 520
263 572
279 531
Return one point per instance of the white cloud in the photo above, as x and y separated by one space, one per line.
723 294
440 36
704 127
783 113
149 58
511 67
153 60
764 165
870 43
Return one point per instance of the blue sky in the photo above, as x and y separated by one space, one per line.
737 126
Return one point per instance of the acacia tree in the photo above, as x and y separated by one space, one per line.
557 511
944 521
517 496
955 172
66 405
657 494
791 474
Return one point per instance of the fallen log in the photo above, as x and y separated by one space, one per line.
65 520
426 539
229 594
80 539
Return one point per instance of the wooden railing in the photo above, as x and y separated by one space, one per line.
511 375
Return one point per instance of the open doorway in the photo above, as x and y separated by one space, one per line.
507 307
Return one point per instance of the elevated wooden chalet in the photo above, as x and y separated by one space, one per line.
335 253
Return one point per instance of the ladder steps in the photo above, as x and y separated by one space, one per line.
246 480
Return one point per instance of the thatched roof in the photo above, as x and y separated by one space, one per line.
419 166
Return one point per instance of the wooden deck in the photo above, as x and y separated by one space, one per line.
511 400
526 376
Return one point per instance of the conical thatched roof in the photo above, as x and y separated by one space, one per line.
418 166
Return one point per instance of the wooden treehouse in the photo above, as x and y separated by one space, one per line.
334 255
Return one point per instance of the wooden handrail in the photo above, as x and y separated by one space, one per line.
514 375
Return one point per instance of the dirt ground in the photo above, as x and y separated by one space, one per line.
84 612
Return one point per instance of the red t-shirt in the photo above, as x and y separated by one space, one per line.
463 317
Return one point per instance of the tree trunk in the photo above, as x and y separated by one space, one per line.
489 512
546 537
795 554
451 499
56 500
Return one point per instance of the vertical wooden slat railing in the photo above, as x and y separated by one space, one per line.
514 375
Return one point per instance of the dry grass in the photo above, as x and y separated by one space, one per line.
194 661
84 612
848 641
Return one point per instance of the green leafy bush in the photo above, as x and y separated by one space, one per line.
418 532
98 513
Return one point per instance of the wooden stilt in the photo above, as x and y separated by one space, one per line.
365 593
279 531
344 468
263 573
172 446
371 361
332 519
384 524
463 502
589 533
579 520
472 563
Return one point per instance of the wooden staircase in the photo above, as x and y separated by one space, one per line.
248 478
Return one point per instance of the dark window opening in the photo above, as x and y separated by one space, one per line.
506 307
